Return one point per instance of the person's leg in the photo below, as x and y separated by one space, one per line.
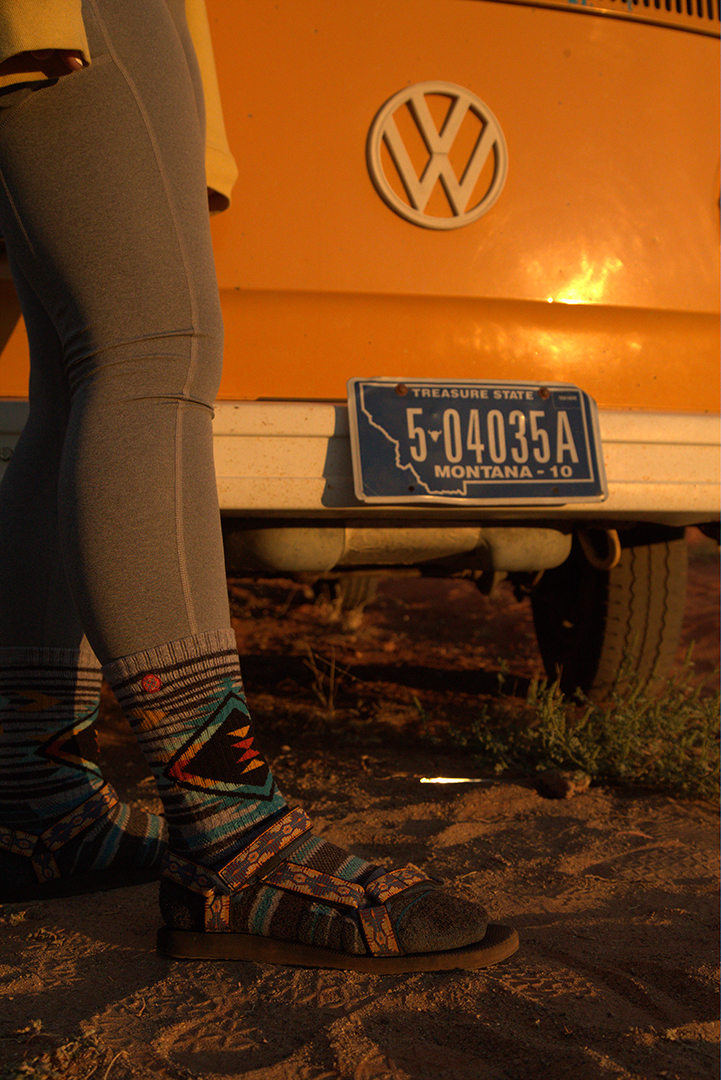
135 303
36 607
114 239
49 678
104 209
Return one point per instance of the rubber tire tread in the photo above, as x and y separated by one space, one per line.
631 615
357 590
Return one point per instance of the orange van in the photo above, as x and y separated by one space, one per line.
470 287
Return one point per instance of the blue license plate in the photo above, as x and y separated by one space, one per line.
474 443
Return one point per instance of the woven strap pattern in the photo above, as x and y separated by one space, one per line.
394 882
45 866
217 914
378 931
249 862
242 868
309 882
248 867
17 841
94 808
40 848
191 876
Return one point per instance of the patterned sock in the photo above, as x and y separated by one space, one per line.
423 917
48 770
186 705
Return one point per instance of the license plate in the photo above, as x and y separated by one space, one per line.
475 443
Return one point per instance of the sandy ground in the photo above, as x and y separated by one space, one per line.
614 893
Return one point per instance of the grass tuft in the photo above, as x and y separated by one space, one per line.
664 741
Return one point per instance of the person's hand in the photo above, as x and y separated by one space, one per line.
72 60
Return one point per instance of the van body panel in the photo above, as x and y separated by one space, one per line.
597 264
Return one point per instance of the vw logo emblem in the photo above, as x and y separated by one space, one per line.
397 128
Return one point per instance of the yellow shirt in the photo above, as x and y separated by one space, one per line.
31 25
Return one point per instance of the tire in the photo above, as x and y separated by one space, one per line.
593 624
351 591
357 590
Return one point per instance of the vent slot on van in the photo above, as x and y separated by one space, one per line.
700 16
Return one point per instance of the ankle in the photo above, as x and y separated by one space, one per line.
49 702
186 704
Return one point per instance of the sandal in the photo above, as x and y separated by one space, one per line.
204 909
116 846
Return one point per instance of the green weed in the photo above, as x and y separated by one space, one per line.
664 739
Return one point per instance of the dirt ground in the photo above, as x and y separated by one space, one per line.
614 893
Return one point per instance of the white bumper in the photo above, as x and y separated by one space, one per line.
293 459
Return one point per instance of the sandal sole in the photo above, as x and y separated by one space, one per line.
499 943
78 885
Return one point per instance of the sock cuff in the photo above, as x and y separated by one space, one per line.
47 659
199 652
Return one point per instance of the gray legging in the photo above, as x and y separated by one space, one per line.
108 511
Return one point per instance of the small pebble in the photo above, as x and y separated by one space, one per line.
556 784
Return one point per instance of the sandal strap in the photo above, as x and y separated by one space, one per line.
308 882
199 879
375 923
395 881
375 920
39 848
97 806
248 863
244 867
265 861
378 931
17 841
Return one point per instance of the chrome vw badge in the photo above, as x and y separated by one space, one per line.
463 155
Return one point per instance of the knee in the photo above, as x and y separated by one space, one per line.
178 365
